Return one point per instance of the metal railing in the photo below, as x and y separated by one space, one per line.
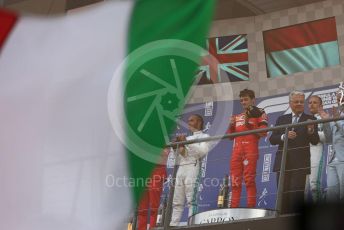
232 135
280 188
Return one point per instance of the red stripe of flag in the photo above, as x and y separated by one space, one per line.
7 22
300 35
236 57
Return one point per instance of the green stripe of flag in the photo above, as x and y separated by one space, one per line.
151 116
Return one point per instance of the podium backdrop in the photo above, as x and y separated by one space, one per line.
216 164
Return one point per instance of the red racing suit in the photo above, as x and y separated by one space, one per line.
151 197
244 156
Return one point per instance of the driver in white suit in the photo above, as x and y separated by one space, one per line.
187 179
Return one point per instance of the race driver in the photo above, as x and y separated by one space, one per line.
187 179
245 148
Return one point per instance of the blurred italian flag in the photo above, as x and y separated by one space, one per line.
87 101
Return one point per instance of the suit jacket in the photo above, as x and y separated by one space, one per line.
298 155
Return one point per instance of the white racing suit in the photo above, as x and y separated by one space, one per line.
187 178
317 164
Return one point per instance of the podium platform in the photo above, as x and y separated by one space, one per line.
283 222
228 215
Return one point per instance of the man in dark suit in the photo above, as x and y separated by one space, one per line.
298 154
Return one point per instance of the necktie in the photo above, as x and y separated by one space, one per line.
295 120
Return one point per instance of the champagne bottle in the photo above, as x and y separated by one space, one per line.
159 216
130 226
161 212
130 223
222 199
229 199
226 186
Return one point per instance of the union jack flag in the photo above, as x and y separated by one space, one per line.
231 62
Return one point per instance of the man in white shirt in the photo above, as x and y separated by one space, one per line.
187 178
315 106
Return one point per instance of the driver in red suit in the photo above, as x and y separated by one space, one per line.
151 198
245 148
